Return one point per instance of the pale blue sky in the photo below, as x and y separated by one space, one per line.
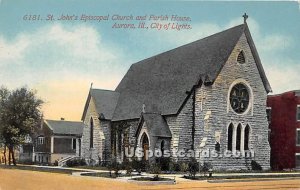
61 59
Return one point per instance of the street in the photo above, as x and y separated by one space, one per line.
11 179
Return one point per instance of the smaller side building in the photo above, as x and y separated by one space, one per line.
284 126
55 140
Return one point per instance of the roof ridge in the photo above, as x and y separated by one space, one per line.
103 89
193 42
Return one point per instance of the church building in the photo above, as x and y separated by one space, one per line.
206 96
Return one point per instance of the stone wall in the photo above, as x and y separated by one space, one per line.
125 127
213 113
101 135
181 129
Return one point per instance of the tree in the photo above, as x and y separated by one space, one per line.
19 116
4 94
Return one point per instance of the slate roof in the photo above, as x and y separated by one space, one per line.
156 125
61 127
105 101
162 81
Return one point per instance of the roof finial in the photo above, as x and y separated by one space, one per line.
91 85
245 18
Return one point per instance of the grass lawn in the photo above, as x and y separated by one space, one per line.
152 179
40 169
91 167
240 177
107 174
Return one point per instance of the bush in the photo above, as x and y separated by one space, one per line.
206 167
76 162
164 163
255 166
174 166
155 168
115 166
193 167
127 165
140 165
184 167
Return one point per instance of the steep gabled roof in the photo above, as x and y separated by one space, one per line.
257 59
156 125
163 81
105 102
61 127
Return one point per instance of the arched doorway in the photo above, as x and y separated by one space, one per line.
145 146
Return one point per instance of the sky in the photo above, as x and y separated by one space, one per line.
61 58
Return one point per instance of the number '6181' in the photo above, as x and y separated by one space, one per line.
31 17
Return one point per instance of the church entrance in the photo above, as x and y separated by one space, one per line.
145 146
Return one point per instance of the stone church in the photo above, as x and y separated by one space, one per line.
206 95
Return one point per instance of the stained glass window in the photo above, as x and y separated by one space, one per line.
239 98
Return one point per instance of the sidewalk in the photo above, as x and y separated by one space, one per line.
180 178
65 168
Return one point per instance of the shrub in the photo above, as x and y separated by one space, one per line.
127 165
164 163
140 165
255 165
99 161
193 167
174 166
115 166
205 167
76 162
155 168
184 166
55 163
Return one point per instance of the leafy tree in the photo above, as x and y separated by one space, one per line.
19 116
4 94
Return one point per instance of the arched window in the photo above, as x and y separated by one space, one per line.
238 137
162 147
217 147
230 131
145 146
246 139
91 133
241 57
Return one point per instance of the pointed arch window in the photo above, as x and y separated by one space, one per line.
162 147
246 138
91 133
229 141
145 146
238 137
241 57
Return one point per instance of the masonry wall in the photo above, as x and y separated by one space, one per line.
181 129
120 128
283 127
213 113
101 136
